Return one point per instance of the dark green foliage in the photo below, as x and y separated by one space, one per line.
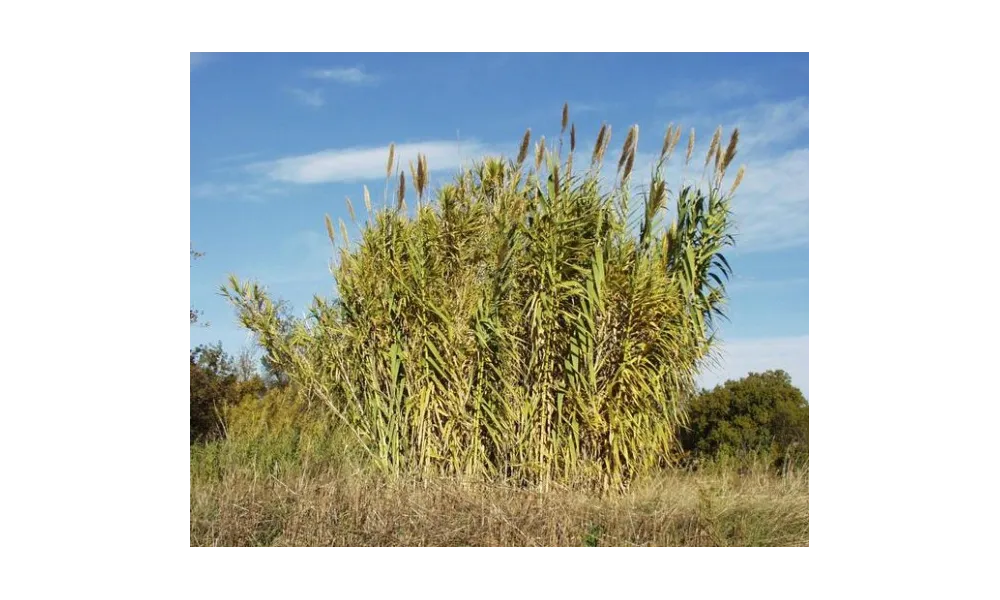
761 415
214 386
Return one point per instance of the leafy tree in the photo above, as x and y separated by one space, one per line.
762 414
215 385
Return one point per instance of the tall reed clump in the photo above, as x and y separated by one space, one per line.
523 325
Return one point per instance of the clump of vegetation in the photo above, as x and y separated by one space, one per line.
761 417
217 384
524 325
271 434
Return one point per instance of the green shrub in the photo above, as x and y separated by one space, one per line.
759 417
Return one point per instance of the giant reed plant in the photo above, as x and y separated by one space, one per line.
526 324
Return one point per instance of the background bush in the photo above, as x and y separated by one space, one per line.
761 416
215 386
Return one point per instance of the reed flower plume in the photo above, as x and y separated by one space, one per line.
628 146
539 153
665 149
522 152
690 150
714 146
603 137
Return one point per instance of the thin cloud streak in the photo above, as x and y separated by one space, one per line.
255 191
313 98
344 75
365 164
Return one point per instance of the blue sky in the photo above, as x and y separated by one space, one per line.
279 140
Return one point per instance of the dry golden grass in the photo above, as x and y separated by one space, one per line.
720 508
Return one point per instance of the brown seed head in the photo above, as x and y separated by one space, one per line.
343 232
572 137
350 208
392 155
677 138
629 162
690 151
522 153
598 152
739 178
329 230
539 153
731 149
607 142
565 117
714 145
421 178
630 139
401 193
666 141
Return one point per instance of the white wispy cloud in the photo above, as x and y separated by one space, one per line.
362 164
242 191
771 208
345 75
312 98
742 356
